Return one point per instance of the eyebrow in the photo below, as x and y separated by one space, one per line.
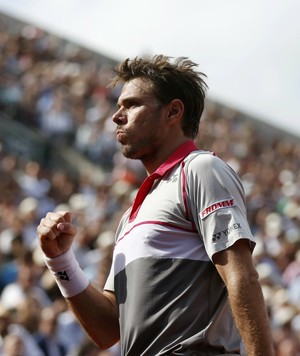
127 100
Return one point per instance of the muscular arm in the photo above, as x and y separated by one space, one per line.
97 313
245 295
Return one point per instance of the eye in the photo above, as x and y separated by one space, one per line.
132 104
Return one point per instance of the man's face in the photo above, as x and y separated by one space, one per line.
139 120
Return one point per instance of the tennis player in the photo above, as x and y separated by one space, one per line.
182 280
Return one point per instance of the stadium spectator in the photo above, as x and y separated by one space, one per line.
14 336
12 345
46 336
26 285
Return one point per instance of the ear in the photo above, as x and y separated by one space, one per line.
175 111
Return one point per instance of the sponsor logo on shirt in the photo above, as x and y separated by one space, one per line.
216 206
226 232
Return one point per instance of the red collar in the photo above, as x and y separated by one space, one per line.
176 157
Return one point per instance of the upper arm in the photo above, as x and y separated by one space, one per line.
110 295
235 264
217 204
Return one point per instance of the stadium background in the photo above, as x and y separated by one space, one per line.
58 150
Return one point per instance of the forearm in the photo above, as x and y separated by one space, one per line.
96 311
251 317
97 314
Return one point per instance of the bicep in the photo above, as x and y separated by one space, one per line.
235 264
110 295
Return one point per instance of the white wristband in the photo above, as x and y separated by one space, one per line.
69 277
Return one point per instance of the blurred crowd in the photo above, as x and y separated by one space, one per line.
60 90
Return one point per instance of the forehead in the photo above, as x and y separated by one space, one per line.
137 88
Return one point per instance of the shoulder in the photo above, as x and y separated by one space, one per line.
206 162
204 169
201 157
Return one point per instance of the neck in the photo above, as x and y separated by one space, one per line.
153 162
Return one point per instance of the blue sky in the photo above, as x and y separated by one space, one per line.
250 50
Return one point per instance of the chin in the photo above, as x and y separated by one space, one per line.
128 152
131 156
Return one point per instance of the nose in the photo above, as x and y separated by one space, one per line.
119 117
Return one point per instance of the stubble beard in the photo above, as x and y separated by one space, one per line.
142 150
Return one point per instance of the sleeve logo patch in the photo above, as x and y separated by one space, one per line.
216 206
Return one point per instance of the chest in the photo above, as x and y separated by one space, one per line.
165 204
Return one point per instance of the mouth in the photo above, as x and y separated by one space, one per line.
120 134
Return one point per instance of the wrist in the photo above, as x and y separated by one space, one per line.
67 273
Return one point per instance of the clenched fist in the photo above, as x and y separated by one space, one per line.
56 233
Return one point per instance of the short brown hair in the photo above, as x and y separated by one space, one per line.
171 80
